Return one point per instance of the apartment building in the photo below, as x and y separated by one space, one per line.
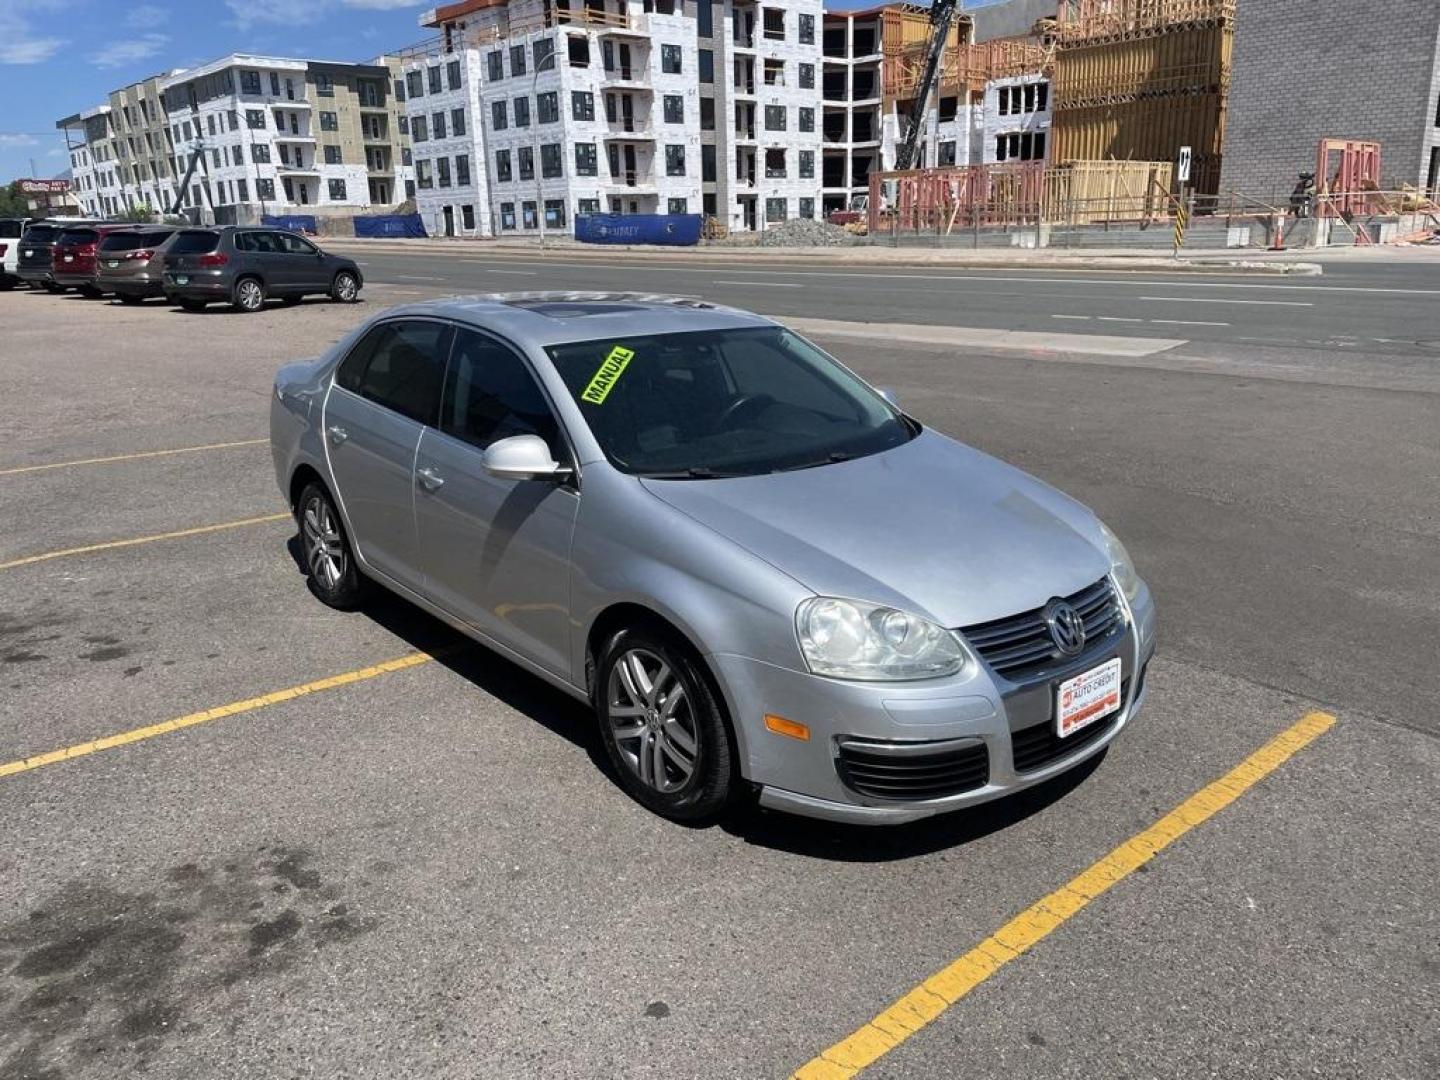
265 134
523 112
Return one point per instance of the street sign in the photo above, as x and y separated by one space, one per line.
1182 167
44 187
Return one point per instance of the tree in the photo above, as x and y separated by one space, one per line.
141 213
12 202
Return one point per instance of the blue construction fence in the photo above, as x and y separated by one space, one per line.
303 223
390 225
676 230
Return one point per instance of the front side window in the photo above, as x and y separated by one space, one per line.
724 402
400 366
490 394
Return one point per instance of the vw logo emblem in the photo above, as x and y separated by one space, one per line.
1067 628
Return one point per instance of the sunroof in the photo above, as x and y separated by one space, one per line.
572 309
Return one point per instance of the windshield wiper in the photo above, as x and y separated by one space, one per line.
833 458
695 472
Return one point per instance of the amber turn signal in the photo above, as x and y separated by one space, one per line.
780 726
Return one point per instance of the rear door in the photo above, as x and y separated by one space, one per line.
385 392
496 552
266 254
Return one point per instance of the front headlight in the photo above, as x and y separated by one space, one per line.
849 639
1120 564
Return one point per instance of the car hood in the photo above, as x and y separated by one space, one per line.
934 526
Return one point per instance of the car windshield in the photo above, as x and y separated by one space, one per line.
41 234
78 236
194 242
715 403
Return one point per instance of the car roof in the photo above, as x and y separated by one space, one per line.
553 318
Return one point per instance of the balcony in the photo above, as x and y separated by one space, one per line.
636 181
632 133
285 137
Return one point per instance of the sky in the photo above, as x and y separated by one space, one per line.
58 57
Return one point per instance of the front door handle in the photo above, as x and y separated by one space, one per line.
337 434
429 479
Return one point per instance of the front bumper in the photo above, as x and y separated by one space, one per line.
976 710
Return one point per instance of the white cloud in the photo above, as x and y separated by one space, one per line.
248 13
130 51
55 151
14 140
19 44
379 5
144 16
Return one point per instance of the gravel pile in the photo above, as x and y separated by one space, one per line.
803 232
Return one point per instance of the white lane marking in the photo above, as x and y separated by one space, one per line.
1078 318
767 284
1223 300
951 337
1192 322
526 273
417 277
1116 318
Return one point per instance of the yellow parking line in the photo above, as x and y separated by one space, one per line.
108 545
927 1001
135 735
130 457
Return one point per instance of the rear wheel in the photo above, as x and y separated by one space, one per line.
662 726
345 288
333 576
90 292
249 295
128 298
192 305
51 287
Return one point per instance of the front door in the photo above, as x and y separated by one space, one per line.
386 390
304 265
496 552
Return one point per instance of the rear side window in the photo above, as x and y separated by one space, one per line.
195 242
490 395
41 234
78 236
10 230
257 241
399 365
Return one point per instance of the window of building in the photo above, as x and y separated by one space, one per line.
807 30
265 189
260 153
526 157
210 121
554 213
807 208
324 86
547 107
948 106
517 60
578 50
399 89
234 119
274 87
582 105
495 65
774 23
416 83
775 209
674 159
242 191
502 166
1042 96
807 164
947 153
774 117
774 164
329 121
407 156
670 59
442 172
707 65
462 170
432 79
452 74
586 160
250 82
254 119
707 162
527 215
807 76
457 122
467 216
774 72
419 129
587 206
422 174
497 115
551 161
437 126
807 118
332 155
337 190
707 114
404 125
522 112
507 215
674 109
681 206
542 52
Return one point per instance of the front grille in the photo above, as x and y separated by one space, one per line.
1035 747
868 769
1020 645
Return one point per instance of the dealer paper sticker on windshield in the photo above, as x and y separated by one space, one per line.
608 375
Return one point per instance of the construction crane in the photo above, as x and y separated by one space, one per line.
942 14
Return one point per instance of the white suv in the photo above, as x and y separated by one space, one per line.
10 232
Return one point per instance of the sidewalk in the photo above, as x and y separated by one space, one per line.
1224 261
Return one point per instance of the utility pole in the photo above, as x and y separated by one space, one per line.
535 138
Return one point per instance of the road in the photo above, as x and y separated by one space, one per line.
422 868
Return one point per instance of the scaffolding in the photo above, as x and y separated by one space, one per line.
966 67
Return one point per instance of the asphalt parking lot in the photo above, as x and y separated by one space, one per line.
244 835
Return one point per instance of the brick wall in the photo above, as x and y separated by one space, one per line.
1361 69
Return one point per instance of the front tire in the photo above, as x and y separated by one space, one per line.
662 727
129 298
249 295
346 288
330 565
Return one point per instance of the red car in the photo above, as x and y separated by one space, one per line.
72 259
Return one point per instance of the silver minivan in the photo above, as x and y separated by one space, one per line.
762 575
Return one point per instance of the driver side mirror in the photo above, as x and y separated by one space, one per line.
522 457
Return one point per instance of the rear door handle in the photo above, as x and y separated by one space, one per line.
337 434
429 479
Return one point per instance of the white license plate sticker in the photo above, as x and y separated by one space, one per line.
1088 697
181 279
29 252
113 263
69 258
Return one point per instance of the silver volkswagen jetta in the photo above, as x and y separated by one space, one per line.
759 572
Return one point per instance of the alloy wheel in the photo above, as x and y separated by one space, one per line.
324 547
250 295
345 288
652 720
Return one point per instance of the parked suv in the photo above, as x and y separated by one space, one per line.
130 262
72 259
36 243
11 230
244 267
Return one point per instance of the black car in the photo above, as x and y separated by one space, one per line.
34 267
244 267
